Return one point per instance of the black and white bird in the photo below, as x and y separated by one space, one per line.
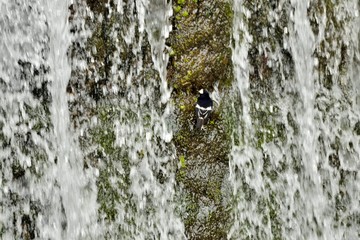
203 109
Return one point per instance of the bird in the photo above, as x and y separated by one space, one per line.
203 109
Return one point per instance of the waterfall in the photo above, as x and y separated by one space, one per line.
48 178
46 193
88 121
294 173
143 128
77 189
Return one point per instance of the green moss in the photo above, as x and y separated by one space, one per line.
177 9
181 2
107 196
182 161
201 61
274 218
172 53
214 191
192 210
185 14
105 137
191 36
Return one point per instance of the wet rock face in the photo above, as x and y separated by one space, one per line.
99 6
200 57
200 54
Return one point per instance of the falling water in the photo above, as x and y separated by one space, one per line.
294 172
142 128
297 177
46 193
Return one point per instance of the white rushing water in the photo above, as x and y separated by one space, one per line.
142 128
294 175
76 198
304 184
45 191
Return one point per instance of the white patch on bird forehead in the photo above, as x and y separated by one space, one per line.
201 91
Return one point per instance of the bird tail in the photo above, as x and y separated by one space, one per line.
199 122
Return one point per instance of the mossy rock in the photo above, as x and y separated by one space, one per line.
99 6
201 58
200 45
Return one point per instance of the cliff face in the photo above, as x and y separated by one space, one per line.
200 57
199 49
132 111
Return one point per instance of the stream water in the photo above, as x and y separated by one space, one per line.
293 175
